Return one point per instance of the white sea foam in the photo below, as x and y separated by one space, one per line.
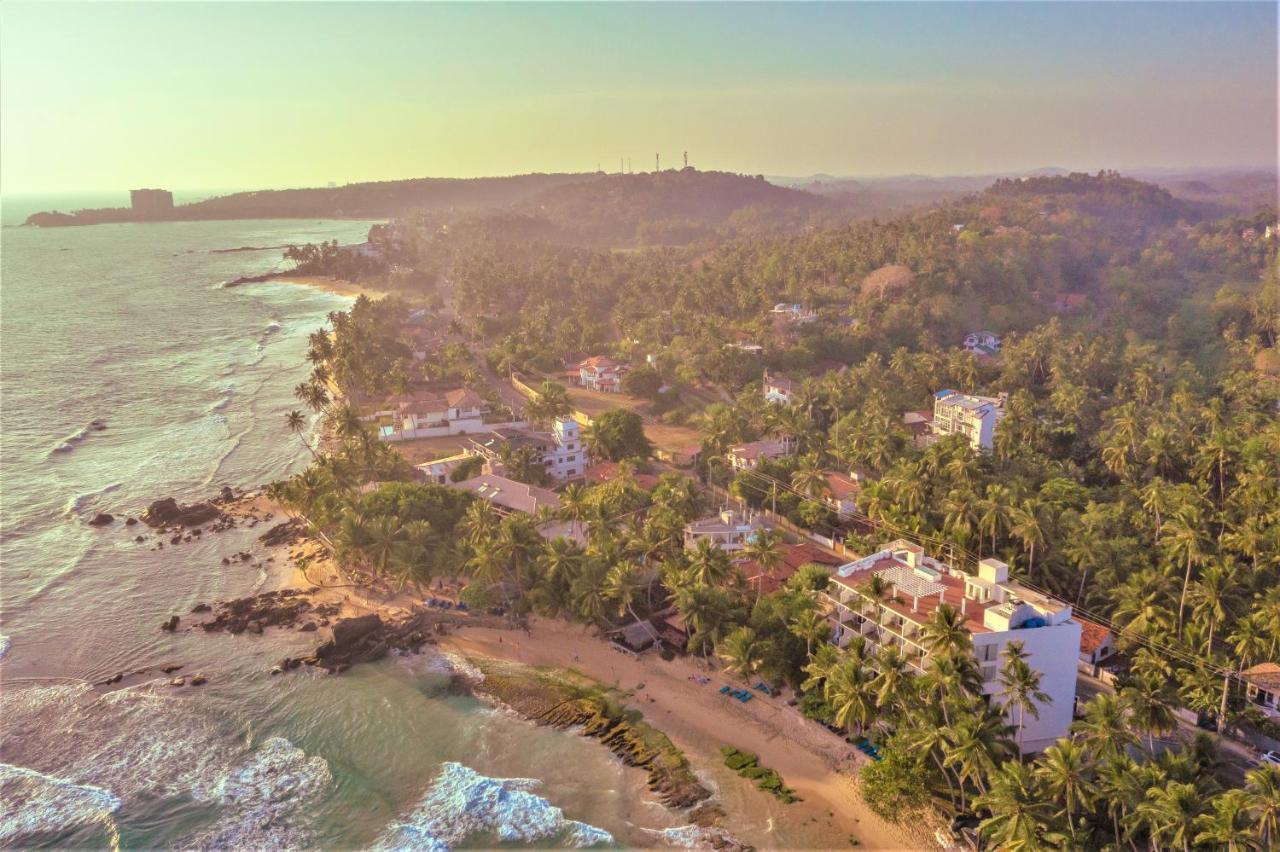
462 803
32 803
72 441
80 502
143 744
259 800
5 644
693 837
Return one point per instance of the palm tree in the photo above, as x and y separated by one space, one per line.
1229 827
846 690
820 666
573 502
945 631
1020 813
385 535
1066 769
1021 687
708 564
1150 708
810 625
1170 813
1104 730
1121 786
1263 786
480 522
741 651
1213 597
1249 640
809 478
1029 529
972 743
297 423
1157 498
763 548
1184 537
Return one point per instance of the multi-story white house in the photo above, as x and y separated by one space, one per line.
601 374
974 417
996 612
560 451
730 530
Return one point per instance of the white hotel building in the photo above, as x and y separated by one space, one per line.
996 612
974 417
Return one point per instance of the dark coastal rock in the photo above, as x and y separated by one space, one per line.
367 638
130 521
170 625
202 607
199 680
171 669
102 519
167 512
285 533
309 627
270 609
226 495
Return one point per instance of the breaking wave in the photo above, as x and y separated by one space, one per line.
77 504
36 804
462 803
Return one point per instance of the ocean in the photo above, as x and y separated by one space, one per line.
128 325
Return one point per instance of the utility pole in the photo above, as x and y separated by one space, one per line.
657 163
686 159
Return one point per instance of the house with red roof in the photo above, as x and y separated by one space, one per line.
599 373
768 580
842 493
1096 642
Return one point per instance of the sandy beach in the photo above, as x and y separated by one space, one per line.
338 286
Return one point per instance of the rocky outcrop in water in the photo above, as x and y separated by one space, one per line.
281 608
102 519
167 512
550 700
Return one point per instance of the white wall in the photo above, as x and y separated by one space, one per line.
1054 652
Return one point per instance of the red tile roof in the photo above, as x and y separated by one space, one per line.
793 556
952 593
605 471
841 486
1092 635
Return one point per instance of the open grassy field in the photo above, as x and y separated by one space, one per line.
428 449
663 435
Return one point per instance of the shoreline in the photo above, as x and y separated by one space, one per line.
336 286
817 764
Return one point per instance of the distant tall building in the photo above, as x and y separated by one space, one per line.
152 202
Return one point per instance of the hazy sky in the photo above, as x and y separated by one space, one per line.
182 95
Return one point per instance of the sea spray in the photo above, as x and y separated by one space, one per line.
463 804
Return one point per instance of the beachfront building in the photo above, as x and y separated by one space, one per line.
996 611
508 495
779 389
601 374
1097 642
747 456
730 530
766 581
842 493
426 414
974 417
560 451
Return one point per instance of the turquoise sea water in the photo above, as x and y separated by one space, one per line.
127 324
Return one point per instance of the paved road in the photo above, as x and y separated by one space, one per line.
1238 756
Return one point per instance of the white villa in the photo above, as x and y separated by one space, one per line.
730 530
428 415
560 451
1262 688
975 417
982 343
996 612
601 374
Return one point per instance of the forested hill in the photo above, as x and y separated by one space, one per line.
376 200
670 207
601 206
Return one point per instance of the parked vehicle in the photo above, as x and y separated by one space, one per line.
1272 757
